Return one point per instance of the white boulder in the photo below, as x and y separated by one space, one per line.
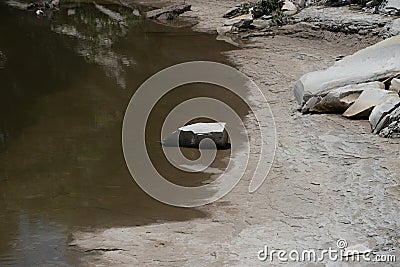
380 115
391 7
370 64
395 85
392 124
391 28
340 99
368 99
289 8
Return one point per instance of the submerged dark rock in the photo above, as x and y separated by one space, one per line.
192 135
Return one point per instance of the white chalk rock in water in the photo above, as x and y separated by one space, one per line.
370 64
192 135
381 113
368 99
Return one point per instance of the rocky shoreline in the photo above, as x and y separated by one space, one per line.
376 18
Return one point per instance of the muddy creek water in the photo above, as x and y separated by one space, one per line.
65 82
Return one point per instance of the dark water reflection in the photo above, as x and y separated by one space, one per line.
65 82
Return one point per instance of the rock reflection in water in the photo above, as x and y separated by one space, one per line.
96 32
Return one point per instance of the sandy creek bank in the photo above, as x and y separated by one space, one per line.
332 179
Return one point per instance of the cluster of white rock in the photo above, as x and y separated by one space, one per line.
363 85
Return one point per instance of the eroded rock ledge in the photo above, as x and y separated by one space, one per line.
378 18
169 12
